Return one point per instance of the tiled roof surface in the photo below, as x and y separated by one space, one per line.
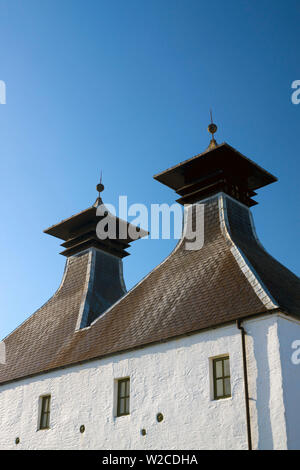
189 291
283 285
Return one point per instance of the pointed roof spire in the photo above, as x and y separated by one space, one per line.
212 129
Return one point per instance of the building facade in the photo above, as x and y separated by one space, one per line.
199 355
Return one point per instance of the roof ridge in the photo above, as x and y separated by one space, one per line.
244 264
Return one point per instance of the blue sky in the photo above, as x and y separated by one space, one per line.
126 87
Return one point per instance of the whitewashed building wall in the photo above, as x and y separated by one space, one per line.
174 378
289 334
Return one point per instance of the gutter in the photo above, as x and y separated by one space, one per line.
247 405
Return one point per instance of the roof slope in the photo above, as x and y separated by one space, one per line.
283 285
189 291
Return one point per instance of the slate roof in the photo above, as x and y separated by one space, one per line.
188 292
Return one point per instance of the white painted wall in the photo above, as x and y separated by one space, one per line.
173 378
289 333
265 384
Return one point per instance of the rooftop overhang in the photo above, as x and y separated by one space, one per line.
211 169
79 232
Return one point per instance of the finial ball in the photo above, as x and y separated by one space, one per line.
100 187
212 128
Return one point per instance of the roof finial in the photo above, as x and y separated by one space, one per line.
212 129
99 188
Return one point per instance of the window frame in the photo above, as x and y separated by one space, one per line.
45 404
223 377
125 397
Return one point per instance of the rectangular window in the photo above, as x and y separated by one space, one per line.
221 372
45 412
123 397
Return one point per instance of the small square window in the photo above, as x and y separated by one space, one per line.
123 397
221 375
45 412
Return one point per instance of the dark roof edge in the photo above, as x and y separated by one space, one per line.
206 151
143 346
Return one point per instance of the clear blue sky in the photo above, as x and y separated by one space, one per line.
126 86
